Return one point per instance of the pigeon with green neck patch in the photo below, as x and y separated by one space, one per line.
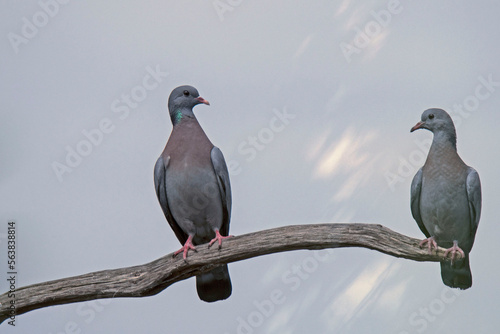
192 185
446 199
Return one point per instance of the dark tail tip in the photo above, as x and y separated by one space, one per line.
214 285
457 275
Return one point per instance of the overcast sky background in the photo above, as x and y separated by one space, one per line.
342 153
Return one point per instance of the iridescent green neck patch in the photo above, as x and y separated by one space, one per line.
177 116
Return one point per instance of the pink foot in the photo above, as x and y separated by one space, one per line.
187 246
218 238
431 242
454 250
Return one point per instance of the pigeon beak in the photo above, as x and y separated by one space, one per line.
417 126
202 100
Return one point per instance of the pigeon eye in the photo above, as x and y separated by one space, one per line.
186 93
431 116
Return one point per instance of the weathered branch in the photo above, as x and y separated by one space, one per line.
151 278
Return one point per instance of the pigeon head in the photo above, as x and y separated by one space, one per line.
439 122
181 102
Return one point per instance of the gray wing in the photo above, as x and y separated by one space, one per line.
160 176
222 175
473 185
416 186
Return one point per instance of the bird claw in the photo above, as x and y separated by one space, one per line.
454 250
431 243
219 238
184 249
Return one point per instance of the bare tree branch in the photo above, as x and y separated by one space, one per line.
151 278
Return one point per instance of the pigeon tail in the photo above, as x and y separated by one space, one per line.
214 285
458 274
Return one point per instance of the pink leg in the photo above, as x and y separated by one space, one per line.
431 242
218 238
187 246
454 250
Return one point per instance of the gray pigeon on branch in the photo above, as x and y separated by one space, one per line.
192 185
446 199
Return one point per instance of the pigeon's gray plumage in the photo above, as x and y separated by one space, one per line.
446 199
192 185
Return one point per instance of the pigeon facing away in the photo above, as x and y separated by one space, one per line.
192 185
446 199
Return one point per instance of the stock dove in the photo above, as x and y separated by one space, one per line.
446 199
192 185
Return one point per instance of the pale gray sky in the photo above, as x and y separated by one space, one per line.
311 104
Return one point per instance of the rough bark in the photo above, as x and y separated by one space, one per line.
151 278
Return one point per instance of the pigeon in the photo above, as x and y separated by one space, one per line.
446 199
192 184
